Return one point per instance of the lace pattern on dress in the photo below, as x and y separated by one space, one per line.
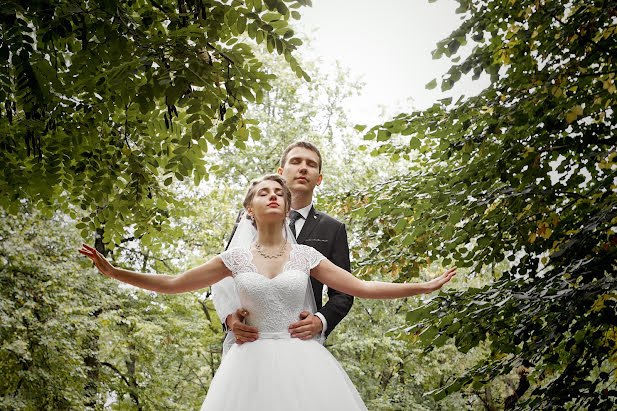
303 258
238 260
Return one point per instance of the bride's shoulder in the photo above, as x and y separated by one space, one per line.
236 250
235 253
236 259
302 247
306 256
306 250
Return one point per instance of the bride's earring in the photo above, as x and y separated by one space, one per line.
249 216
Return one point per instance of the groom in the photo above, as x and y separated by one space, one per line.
300 166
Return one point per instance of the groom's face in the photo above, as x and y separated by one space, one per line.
301 170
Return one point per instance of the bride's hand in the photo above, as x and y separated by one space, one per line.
437 283
99 261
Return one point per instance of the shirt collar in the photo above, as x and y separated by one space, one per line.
304 211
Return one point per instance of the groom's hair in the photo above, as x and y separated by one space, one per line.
303 144
250 194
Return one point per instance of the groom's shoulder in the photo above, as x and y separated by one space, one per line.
327 219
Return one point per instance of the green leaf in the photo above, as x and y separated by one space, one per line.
401 224
282 8
431 84
270 16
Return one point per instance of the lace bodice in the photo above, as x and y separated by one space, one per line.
273 304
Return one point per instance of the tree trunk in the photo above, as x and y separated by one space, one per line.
92 365
132 380
489 403
523 386
92 343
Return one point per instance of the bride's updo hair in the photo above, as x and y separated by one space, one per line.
250 194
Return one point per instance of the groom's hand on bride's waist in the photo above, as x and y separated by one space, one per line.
243 333
308 326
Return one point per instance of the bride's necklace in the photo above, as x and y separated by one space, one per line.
261 252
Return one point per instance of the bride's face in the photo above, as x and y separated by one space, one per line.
268 204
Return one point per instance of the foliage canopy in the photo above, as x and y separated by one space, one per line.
105 104
522 175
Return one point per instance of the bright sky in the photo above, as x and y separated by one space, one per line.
387 44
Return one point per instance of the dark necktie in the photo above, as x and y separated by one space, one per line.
293 217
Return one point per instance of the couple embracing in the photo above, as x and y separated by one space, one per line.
270 281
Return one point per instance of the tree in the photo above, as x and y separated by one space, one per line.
71 337
522 175
136 349
389 373
107 103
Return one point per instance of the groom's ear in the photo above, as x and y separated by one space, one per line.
319 179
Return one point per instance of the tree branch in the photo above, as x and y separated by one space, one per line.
220 53
126 381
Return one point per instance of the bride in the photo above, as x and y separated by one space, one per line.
275 372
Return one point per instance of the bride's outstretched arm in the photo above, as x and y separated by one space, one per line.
339 279
193 279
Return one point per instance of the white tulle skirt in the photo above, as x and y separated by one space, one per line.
281 374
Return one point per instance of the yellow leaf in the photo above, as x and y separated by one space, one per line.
525 154
532 238
547 233
599 303
601 117
578 110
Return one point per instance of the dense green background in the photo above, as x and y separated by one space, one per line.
136 126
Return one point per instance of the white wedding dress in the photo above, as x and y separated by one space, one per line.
278 372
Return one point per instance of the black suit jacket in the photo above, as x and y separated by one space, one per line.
328 236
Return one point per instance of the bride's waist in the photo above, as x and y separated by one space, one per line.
283 335
271 332
274 335
275 326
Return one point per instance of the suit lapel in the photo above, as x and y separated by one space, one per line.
309 225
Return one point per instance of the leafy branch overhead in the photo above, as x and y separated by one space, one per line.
104 101
519 180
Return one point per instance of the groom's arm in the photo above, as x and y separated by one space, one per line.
339 303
